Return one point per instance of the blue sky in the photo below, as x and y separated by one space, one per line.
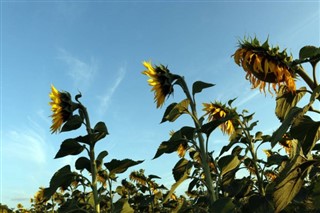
97 47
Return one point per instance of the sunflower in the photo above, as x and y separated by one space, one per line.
271 175
61 108
265 65
161 81
182 149
217 111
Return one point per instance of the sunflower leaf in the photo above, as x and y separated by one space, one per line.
175 110
69 147
198 86
286 100
180 168
120 166
83 163
306 131
73 123
228 163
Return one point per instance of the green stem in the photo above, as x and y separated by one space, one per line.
305 77
92 161
314 66
203 150
254 158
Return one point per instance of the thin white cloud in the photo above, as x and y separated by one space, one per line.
248 98
81 72
28 145
106 98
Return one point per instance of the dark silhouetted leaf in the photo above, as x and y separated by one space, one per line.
100 131
100 157
175 110
223 205
120 166
308 52
306 131
62 178
69 147
198 86
180 168
74 122
83 163
123 206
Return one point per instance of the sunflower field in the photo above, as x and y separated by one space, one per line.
241 177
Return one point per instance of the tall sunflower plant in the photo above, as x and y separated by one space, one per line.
272 183
90 185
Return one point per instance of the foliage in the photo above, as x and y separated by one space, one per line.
238 179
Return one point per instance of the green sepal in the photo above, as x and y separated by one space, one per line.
73 123
69 147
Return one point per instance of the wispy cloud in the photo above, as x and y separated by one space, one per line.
81 72
27 144
106 98
248 98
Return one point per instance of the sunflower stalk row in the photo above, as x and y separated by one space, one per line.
284 178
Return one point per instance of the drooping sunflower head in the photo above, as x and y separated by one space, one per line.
161 81
216 111
61 107
265 65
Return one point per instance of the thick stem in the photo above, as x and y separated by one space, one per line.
92 162
305 77
203 150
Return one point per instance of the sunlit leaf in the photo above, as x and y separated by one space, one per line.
198 86
228 163
278 134
286 100
74 122
175 110
69 147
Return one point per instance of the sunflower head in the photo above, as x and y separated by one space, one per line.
286 143
216 111
161 81
265 65
61 107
